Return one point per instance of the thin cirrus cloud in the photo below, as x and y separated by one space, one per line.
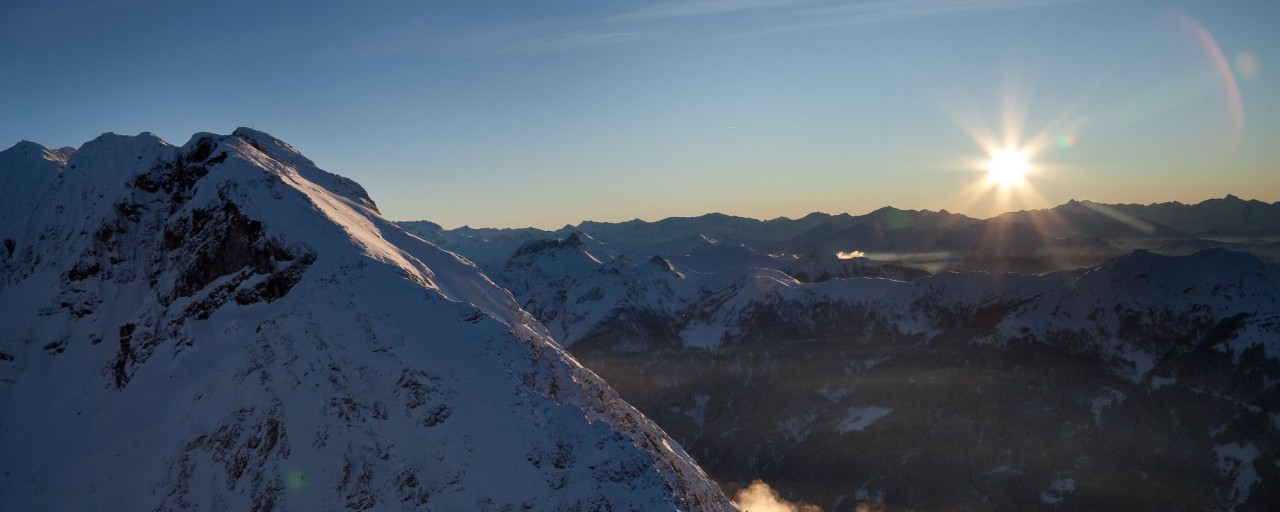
688 8
569 35
575 40
887 11
892 10
485 40
533 38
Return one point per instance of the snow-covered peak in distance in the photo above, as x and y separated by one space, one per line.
225 326
1076 234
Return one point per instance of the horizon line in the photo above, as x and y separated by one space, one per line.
1229 196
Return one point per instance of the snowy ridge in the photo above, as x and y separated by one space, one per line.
1141 346
718 294
225 326
907 244
811 370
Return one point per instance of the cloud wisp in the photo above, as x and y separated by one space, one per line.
561 41
552 36
889 11
686 8
894 10
486 40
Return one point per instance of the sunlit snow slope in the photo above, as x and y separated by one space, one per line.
225 326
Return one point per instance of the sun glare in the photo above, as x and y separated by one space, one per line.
1008 167
1012 161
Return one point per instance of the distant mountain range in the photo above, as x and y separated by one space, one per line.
1132 363
1144 383
1072 235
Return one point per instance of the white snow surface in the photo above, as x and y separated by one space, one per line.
833 395
1109 310
1238 462
731 280
1108 398
1058 490
861 417
225 326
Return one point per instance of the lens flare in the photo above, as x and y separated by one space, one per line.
1229 87
1247 65
1067 140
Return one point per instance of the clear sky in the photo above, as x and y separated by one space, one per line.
543 113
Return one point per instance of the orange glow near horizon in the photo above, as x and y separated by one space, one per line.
1006 177
1008 170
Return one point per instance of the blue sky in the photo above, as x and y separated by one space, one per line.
516 113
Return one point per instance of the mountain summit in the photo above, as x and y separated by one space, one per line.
225 326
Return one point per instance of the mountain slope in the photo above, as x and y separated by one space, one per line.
225 326
1227 216
1145 383
1076 234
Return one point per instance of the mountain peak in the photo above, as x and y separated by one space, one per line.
886 209
25 146
284 153
290 336
268 144
27 170
30 153
111 152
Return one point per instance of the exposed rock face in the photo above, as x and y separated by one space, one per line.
225 326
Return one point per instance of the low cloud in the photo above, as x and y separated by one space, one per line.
759 497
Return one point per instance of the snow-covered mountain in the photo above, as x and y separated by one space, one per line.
1147 383
1143 382
225 326
1226 216
590 282
1072 235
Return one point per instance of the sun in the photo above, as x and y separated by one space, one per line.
1008 167
1011 161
